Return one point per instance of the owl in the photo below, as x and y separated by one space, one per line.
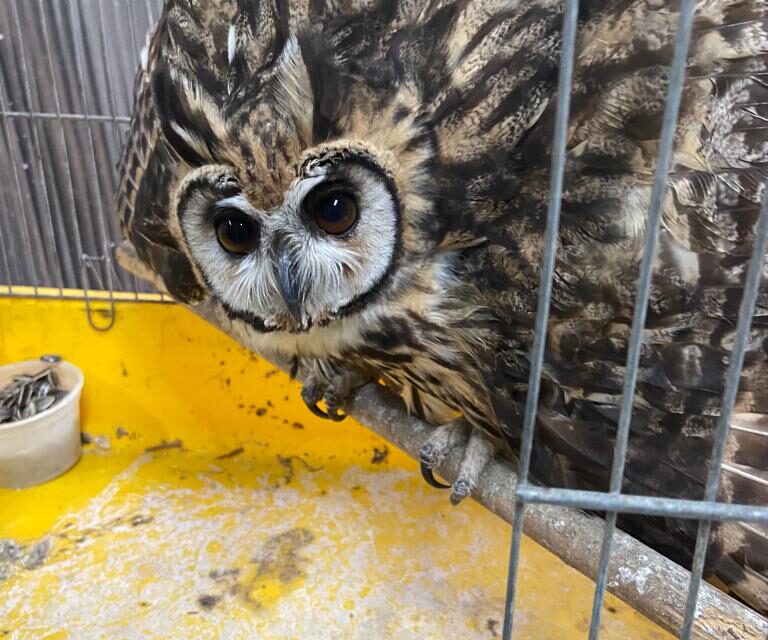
362 185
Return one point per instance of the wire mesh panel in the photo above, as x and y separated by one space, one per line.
66 91
614 502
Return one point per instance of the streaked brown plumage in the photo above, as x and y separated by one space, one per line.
444 108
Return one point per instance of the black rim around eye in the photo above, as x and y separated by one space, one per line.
332 209
236 232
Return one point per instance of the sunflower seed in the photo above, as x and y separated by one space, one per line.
27 395
41 404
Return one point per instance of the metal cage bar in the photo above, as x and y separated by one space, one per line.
66 116
78 238
648 505
669 123
746 312
13 168
565 81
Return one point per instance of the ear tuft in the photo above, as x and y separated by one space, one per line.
293 89
190 120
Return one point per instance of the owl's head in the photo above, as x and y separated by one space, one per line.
300 191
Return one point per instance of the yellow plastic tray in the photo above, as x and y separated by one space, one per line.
214 505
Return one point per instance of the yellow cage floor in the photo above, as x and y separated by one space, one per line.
212 504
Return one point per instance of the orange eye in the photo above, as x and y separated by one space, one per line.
236 232
333 210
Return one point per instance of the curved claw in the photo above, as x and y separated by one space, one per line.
333 416
333 404
311 395
312 406
427 474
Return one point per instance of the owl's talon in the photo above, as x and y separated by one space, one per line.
333 390
334 414
429 476
334 404
318 411
312 394
434 450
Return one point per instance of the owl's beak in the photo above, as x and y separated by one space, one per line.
288 283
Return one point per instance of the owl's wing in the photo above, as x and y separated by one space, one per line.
146 171
719 172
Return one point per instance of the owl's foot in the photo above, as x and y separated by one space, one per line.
434 450
478 450
313 392
333 392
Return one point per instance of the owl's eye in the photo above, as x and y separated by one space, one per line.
332 209
236 232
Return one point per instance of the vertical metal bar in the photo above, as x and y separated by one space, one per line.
26 238
8 278
36 152
115 133
666 146
132 31
565 81
65 147
107 78
746 311
137 57
25 233
84 96
3 245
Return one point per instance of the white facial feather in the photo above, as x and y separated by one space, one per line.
231 43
